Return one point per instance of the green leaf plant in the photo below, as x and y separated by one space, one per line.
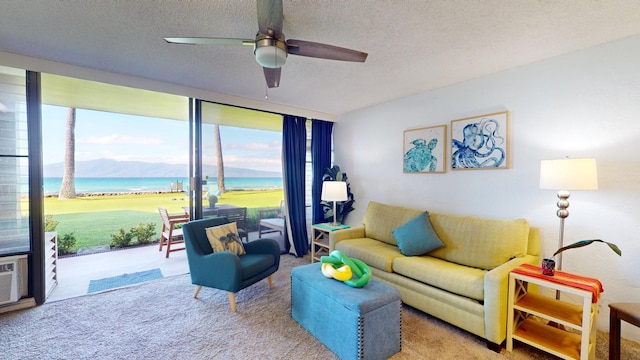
343 208
582 243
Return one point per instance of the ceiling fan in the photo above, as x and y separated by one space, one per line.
270 47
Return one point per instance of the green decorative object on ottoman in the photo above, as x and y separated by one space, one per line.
354 323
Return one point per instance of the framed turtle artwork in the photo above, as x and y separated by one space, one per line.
424 150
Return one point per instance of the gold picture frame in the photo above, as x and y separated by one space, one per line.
424 150
481 142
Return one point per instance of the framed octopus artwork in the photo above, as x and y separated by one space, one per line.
425 149
480 142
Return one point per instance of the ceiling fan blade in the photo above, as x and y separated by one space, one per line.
209 41
272 75
270 17
324 51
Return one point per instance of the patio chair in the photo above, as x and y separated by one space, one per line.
239 216
271 220
170 235
177 186
225 270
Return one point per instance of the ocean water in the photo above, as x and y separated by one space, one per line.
108 185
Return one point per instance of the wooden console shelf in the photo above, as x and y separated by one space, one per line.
569 315
320 239
319 242
560 328
556 341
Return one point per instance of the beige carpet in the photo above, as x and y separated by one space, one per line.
160 320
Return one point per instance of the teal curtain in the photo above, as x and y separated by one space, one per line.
294 147
320 160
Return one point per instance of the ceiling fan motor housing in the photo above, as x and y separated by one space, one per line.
270 52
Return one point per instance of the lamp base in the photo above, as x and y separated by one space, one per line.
563 213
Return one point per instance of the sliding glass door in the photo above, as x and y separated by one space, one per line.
234 150
236 165
245 143
131 156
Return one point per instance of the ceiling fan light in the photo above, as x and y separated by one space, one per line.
270 56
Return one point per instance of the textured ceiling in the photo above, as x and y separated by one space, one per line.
413 45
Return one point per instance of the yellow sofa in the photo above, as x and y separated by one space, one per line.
465 282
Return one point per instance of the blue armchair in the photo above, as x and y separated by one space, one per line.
226 270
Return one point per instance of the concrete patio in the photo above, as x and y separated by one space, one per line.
75 272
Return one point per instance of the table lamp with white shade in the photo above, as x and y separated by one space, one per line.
564 175
334 191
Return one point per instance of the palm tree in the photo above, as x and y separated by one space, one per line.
68 187
219 161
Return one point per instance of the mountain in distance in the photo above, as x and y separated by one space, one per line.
102 168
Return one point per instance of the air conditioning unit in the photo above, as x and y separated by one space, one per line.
8 279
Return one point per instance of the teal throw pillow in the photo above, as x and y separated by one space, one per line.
417 237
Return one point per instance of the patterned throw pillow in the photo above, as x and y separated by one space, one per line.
225 238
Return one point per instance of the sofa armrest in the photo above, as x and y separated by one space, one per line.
350 233
263 246
496 292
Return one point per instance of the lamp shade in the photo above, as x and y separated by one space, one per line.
569 174
334 191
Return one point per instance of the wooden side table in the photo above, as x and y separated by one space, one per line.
320 239
629 312
530 316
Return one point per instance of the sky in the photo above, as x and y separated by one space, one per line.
121 137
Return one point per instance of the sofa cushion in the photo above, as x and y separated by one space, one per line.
416 237
379 219
373 252
479 242
458 279
255 264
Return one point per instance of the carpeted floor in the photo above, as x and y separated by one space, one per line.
161 320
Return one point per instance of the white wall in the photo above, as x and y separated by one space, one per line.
585 104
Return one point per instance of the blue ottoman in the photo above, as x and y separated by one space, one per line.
354 323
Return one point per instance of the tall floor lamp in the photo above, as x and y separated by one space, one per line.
334 191
564 175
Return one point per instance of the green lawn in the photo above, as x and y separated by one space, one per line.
93 219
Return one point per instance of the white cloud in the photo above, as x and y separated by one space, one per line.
116 139
265 163
272 146
149 159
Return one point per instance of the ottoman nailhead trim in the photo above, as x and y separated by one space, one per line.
400 309
361 337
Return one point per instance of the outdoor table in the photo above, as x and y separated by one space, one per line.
209 211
